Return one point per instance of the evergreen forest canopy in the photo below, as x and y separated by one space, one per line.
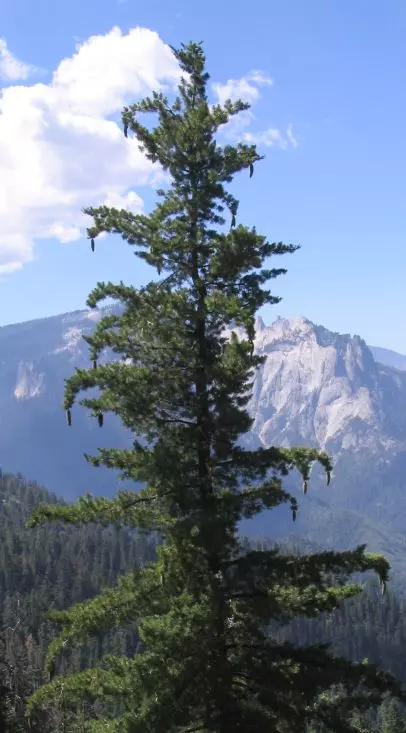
54 566
208 611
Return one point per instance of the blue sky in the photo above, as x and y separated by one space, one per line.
331 124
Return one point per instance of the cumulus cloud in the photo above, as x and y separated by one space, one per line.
60 145
11 68
248 89
272 137
245 88
61 142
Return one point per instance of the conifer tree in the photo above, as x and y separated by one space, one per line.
6 709
393 719
204 610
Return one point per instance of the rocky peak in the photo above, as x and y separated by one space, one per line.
316 386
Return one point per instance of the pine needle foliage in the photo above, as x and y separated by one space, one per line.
203 610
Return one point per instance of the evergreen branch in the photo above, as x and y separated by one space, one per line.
137 512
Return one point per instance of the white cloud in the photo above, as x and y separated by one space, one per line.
11 68
130 201
272 137
245 88
290 136
60 148
269 137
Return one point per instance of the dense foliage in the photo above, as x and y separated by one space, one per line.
206 610
366 626
51 568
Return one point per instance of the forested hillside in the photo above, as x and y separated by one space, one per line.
57 565
46 568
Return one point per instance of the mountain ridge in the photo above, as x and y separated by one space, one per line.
316 387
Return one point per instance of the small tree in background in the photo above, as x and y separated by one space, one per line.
393 718
207 660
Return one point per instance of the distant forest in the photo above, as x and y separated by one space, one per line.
55 566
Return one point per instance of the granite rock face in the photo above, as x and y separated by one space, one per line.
325 389
316 387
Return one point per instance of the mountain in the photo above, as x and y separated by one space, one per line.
388 357
316 387
325 389
35 358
